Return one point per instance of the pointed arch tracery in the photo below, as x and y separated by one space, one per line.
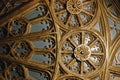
59 39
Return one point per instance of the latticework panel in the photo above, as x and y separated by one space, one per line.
7 6
59 40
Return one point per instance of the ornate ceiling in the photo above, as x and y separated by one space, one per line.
59 40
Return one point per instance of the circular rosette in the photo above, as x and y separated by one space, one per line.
74 13
82 53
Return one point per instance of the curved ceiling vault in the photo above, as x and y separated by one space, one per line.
59 40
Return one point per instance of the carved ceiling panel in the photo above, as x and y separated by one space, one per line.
59 40
74 13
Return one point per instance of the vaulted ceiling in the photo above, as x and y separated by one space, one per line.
59 40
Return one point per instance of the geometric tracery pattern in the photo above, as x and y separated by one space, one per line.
21 49
56 40
38 52
7 6
82 52
114 65
74 13
111 7
116 61
113 17
114 27
17 27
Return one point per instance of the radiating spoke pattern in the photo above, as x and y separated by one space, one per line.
66 11
58 40
82 52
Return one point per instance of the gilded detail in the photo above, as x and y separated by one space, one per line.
74 6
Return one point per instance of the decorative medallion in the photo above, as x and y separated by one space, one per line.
82 52
74 13
74 6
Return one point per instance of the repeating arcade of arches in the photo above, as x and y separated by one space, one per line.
44 42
